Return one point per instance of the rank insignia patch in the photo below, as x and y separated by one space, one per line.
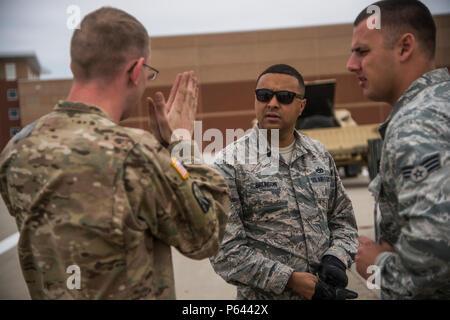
421 171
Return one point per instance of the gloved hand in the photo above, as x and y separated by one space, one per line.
332 271
323 291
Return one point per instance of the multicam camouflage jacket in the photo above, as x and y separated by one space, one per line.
413 192
282 222
88 193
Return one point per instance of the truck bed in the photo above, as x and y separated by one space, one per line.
346 144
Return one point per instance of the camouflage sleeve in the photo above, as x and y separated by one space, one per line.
188 213
4 185
239 264
6 156
419 265
341 220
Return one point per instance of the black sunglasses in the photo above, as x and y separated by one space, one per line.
283 96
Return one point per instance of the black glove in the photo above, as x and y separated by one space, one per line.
332 271
323 291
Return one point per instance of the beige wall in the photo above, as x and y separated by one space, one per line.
243 55
228 64
38 97
239 56
443 40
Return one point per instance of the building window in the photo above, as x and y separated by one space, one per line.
10 71
11 94
13 131
13 113
32 75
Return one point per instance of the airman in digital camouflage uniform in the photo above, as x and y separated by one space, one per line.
110 200
290 216
396 64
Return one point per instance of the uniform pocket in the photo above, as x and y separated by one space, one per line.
263 199
321 190
320 185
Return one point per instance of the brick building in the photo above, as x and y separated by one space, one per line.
13 67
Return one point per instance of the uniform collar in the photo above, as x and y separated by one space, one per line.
302 145
80 107
428 79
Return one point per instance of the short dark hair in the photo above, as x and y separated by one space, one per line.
285 69
107 37
402 16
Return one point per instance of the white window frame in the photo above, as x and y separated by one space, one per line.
9 97
12 129
13 114
10 71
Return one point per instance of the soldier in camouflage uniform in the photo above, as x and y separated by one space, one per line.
283 223
413 186
110 200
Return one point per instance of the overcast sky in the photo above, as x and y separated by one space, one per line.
41 26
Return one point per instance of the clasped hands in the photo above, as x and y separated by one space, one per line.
329 285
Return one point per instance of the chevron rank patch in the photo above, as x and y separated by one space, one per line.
419 172
180 168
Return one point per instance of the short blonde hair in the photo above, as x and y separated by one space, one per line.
106 39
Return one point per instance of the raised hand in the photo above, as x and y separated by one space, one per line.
178 113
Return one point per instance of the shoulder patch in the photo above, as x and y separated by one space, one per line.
180 168
25 132
202 200
420 172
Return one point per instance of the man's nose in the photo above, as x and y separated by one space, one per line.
353 64
273 102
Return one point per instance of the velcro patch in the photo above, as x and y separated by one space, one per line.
180 168
320 179
265 184
25 132
419 172
202 200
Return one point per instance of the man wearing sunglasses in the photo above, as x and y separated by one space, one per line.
98 205
291 234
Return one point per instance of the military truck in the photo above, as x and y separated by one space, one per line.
351 145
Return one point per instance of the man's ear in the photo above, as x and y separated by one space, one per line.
302 106
135 71
405 46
